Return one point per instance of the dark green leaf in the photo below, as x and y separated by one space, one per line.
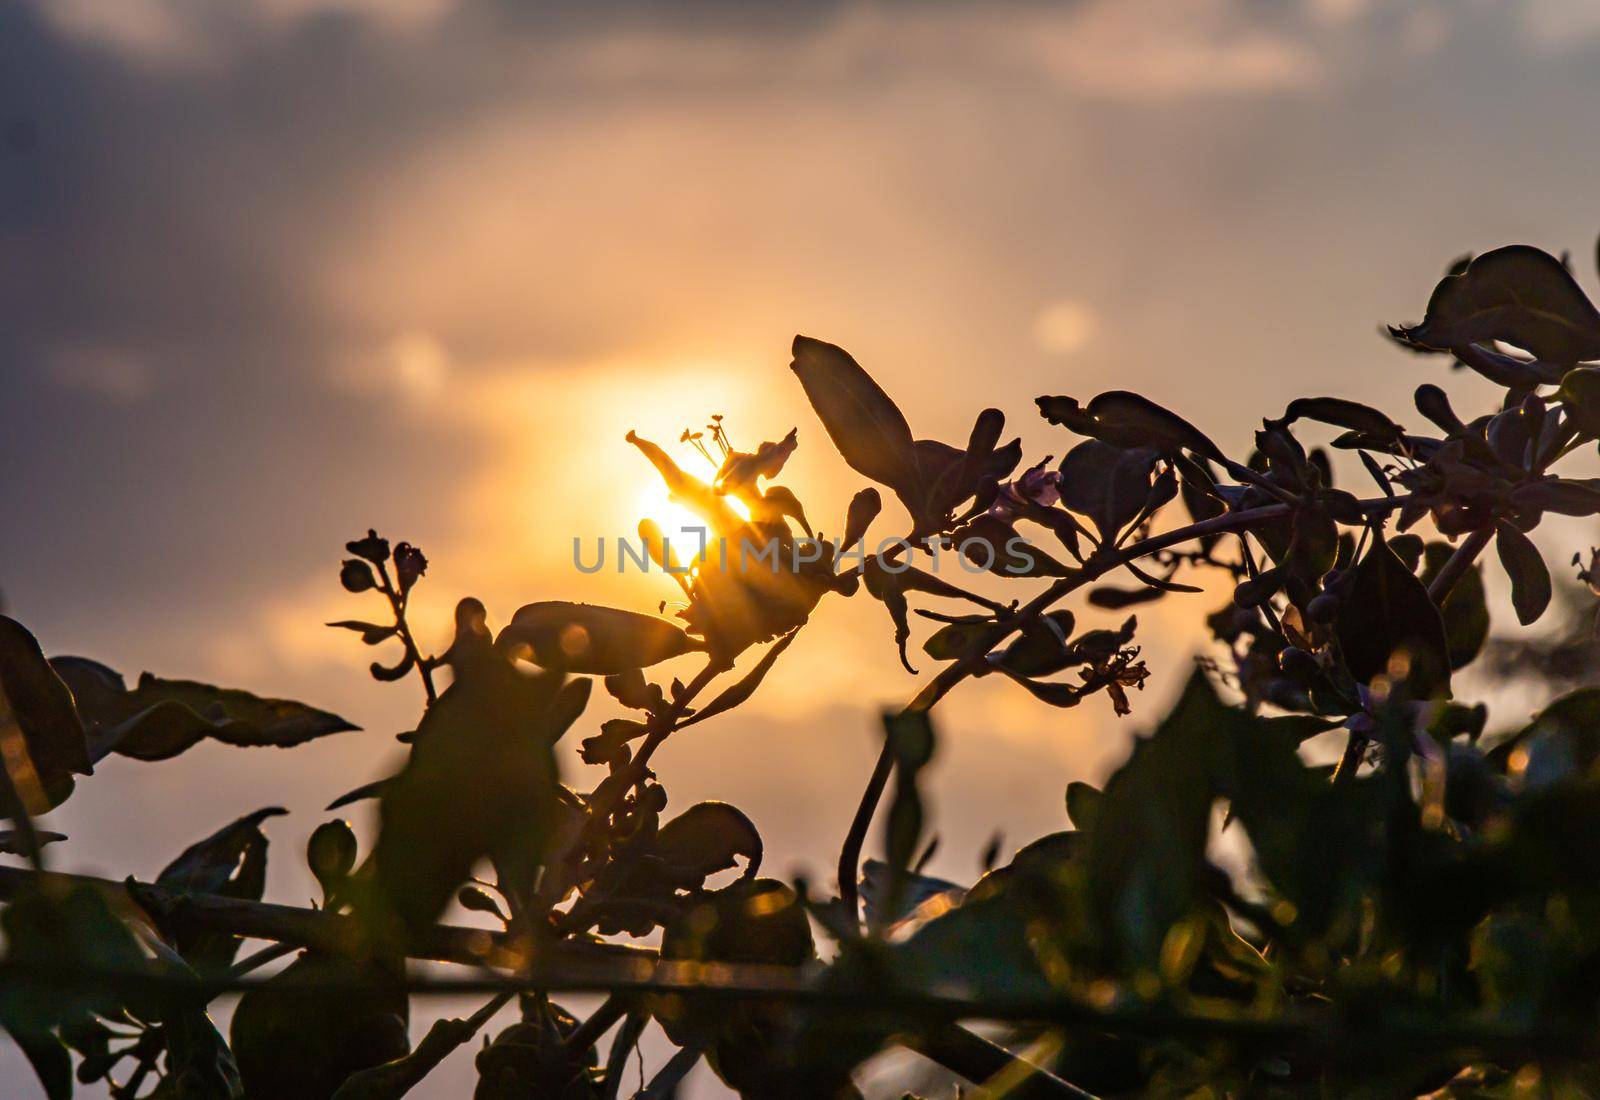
1465 612
1388 612
1580 389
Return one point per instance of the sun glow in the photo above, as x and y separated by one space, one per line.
686 533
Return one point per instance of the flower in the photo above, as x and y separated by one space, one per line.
755 579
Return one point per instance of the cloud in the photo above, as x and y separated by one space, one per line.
104 372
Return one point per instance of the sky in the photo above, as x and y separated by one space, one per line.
273 272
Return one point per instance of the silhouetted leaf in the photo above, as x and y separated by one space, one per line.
14 844
1146 850
290 1046
1083 803
587 638
40 730
1530 579
1129 420
1465 613
865 425
1115 599
371 633
707 838
1580 390
1563 496
1517 294
1107 483
231 862
480 782
864 508
1388 611
1343 414
365 791
746 687
49 1058
161 718
915 890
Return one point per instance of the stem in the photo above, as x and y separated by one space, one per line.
977 1059
588 1033
1460 561
395 1079
398 602
261 958
665 1083
1097 566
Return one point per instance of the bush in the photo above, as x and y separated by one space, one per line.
1420 918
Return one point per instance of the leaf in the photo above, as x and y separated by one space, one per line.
50 1061
1465 612
290 1046
199 1065
1530 578
1387 612
1518 294
481 781
864 508
1129 420
1574 719
916 890
365 791
1083 805
42 739
231 863
1563 496
161 718
866 426
14 844
1115 599
590 639
1344 414
1580 390
736 694
1146 852
371 633
707 838
1107 483
911 743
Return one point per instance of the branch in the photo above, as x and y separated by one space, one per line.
978 1060
392 1080
951 675
334 933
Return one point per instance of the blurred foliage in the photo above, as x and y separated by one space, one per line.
1324 873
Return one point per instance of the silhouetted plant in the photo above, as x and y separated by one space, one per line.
1419 918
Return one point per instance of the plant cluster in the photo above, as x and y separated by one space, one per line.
1421 917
